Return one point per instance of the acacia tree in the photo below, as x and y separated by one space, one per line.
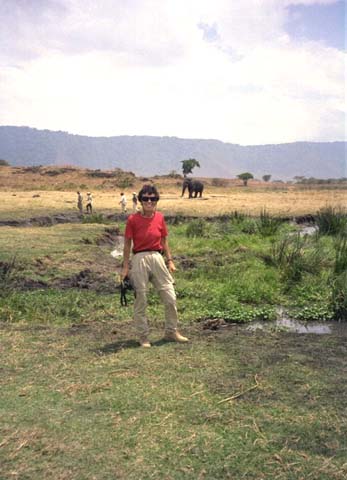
266 178
188 165
245 177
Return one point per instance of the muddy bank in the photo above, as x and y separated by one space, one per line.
85 279
42 221
50 220
281 324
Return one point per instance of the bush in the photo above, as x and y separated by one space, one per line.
125 182
268 225
249 225
219 182
331 221
196 228
174 174
294 257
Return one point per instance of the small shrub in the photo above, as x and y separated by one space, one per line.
249 225
57 171
268 225
294 257
237 217
196 228
125 182
219 182
174 174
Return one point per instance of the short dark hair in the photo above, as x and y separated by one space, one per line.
148 190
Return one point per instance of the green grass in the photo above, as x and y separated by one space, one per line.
83 402
79 400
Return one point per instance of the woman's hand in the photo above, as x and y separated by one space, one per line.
171 266
125 272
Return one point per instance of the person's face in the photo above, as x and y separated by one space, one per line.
149 203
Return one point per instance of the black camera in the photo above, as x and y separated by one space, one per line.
124 287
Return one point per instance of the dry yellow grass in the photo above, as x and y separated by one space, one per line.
25 194
290 202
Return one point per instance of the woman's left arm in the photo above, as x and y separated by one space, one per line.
167 253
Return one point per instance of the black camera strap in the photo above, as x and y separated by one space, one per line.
124 286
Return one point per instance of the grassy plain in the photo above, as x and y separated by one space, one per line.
80 401
26 194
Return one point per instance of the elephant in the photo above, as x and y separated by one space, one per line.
194 187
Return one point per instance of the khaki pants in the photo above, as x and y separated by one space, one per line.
150 267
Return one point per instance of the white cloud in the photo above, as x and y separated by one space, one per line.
147 67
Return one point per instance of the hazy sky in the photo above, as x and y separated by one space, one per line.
240 71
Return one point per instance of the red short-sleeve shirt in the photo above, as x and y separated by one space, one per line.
146 233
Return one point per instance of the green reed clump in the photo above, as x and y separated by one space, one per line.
340 264
331 221
295 256
197 228
249 226
338 279
94 218
8 270
237 217
268 224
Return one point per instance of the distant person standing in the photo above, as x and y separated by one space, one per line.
89 204
134 202
80 202
123 202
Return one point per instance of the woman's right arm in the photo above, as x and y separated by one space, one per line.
126 257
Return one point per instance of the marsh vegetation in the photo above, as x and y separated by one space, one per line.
81 401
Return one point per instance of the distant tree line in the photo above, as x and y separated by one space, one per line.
319 181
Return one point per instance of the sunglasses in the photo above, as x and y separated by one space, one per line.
147 199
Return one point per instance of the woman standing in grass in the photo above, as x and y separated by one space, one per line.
146 233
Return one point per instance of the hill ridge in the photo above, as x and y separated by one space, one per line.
154 155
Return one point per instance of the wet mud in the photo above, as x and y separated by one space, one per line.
50 220
281 324
112 237
85 280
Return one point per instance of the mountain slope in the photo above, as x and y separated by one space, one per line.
146 155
